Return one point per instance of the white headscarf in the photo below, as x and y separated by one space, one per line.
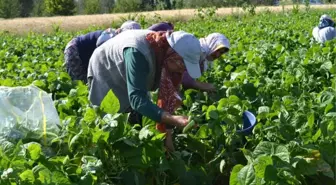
130 25
210 44
326 21
110 33
325 16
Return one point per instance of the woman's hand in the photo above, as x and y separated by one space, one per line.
205 86
178 121
181 121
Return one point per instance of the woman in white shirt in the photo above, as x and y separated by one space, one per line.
325 30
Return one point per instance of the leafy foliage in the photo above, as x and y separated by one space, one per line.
10 8
60 7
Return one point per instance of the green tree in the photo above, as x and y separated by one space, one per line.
128 5
106 6
26 7
163 4
60 7
177 4
38 8
9 8
92 6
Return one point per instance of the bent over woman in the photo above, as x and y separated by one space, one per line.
139 61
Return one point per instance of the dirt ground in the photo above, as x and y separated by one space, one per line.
73 23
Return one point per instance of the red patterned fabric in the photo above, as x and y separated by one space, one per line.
168 98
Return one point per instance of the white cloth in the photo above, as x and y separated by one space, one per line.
130 25
110 33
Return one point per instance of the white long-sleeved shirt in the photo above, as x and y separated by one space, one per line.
324 34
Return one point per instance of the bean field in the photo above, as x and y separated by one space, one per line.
274 69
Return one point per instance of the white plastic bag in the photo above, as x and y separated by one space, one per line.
26 110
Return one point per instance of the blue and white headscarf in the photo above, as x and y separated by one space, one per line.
110 33
326 21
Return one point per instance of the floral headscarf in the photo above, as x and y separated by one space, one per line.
210 44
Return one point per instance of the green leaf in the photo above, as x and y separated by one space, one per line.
260 165
282 152
327 66
39 83
90 115
187 101
329 107
44 176
160 136
326 98
270 174
91 164
331 128
7 82
317 135
147 121
273 149
331 114
203 132
324 168
311 120
222 103
145 133
246 176
74 139
99 134
34 151
212 113
228 67
59 178
234 100
333 70
52 77
64 76
110 103
27 176
263 111
248 155
234 174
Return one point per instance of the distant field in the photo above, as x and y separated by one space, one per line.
79 22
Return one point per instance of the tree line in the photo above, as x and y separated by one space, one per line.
37 8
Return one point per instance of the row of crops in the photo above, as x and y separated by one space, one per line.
275 69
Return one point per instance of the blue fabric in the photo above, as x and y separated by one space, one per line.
106 35
161 27
86 44
326 23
